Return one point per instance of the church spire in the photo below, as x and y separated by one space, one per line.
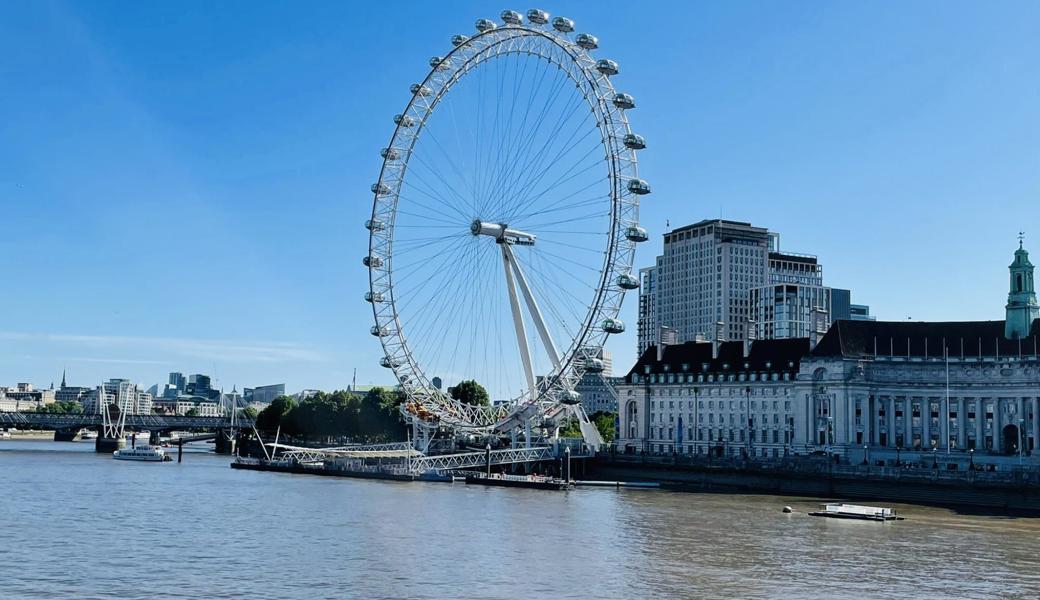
1022 308
62 379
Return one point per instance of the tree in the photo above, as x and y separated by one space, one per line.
605 423
470 392
379 419
192 412
275 414
68 407
570 428
249 413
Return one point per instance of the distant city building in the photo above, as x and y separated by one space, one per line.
199 385
178 381
646 325
701 282
305 394
263 395
860 312
719 280
841 304
121 393
23 397
597 389
184 405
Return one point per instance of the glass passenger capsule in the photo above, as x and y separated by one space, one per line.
634 142
373 262
375 225
636 233
612 325
484 25
627 281
403 120
419 89
587 41
638 186
594 365
459 39
380 189
439 64
388 363
563 24
374 297
570 397
538 16
511 17
390 153
625 101
607 67
379 331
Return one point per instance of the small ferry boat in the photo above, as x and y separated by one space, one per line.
87 434
141 453
836 510
537 482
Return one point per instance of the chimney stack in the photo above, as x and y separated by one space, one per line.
720 328
666 336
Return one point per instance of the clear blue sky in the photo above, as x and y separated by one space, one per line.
182 185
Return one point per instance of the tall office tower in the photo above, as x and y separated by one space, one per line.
646 325
795 303
704 278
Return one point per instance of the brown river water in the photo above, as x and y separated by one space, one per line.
75 524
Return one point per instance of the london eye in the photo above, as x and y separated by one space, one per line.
504 223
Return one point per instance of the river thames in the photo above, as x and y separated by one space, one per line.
77 524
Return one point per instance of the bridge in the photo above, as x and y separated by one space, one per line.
66 426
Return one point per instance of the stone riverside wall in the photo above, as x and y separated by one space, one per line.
1003 491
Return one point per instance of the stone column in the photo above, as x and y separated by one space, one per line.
926 422
1036 423
1020 420
866 418
996 426
980 418
891 414
962 424
944 424
908 422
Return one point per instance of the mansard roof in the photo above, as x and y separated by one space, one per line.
859 339
765 355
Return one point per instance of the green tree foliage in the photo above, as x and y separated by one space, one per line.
192 412
69 407
470 392
604 422
275 414
248 413
570 428
372 417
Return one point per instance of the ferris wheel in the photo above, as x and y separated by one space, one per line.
504 223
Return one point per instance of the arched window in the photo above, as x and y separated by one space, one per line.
1018 282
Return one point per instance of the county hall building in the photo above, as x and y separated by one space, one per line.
952 392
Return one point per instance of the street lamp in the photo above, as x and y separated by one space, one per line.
971 459
899 448
866 455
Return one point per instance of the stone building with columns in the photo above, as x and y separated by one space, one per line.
955 392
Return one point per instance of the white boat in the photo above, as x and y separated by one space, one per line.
87 434
856 511
141 453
